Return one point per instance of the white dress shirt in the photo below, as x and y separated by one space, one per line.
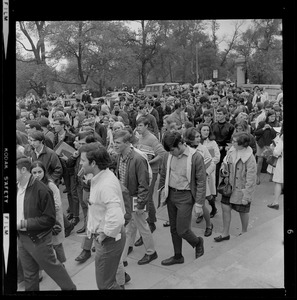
106 209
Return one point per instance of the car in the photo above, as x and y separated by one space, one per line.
116 95
157 88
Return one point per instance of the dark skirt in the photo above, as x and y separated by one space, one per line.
237 207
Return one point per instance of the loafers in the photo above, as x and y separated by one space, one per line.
274 206
199 251
208 231
130 249
199 219
172 261
139 242
85 255
220 238
148 258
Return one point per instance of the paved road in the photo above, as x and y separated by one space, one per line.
253 260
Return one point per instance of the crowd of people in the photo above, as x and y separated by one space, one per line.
190 139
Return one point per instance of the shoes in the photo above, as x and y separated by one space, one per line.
70 216
172 261
139 242
199 251
75 220
274 206
68 230
82 230
166 224
199 219
127 278
152 227
130 249
148 258
208 231
125 263
213 212
220 238
85 255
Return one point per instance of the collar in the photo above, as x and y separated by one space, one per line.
125 158
186 152
38 153
98 176
243 154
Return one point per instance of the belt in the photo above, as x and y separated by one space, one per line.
176 190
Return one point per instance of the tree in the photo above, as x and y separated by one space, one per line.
34 34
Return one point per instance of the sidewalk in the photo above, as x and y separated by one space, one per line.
252 260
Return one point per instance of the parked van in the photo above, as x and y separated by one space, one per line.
158 88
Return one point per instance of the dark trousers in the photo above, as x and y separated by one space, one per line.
180 206
151 206
41 255
218 166
108 255
83 204
72 195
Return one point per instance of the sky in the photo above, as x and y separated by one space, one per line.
226 29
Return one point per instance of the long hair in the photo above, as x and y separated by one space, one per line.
38 163
211 136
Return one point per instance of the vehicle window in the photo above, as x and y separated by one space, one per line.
156 88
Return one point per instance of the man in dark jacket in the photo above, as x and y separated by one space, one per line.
46 155
61 134
36 216
222 131
132 170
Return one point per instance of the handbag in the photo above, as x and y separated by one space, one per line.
268 155
272 160
224 187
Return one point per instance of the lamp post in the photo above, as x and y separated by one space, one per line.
197 75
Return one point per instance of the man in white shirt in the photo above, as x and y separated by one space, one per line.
105 214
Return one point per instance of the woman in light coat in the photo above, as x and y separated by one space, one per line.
241 165
278 171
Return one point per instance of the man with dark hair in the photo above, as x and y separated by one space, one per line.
118 111
182 185
151 110
36 216
45 123
46 155
222 131
132 170
61 134
105 214
143 112
35 126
